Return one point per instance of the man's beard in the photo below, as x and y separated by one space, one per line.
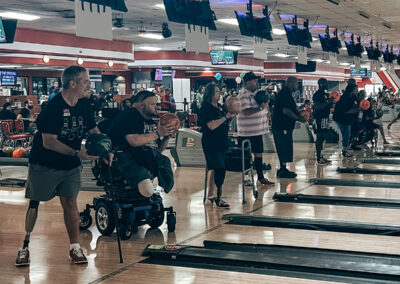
149 113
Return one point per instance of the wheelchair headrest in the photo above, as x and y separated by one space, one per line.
98 145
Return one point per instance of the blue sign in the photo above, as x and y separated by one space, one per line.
8 78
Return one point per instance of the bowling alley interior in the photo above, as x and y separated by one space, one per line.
199 141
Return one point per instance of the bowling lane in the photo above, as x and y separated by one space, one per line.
380 167
348 191
332 174
301 238
150 274
331 212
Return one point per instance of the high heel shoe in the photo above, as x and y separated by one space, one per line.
218 202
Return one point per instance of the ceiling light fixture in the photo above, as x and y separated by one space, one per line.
46 59
150 48
229 21
151 36
110 63
160 6
363 14
10 66
278 32
319 60
283 55
232 47
344 63
79 61
387 25
19 16
336 2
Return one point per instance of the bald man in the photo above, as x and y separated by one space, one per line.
283 121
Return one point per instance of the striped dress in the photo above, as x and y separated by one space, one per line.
254 124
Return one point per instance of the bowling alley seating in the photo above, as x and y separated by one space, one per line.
10 131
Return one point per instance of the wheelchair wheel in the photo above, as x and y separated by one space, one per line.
85 220
157 217
105 218
171 221
125 231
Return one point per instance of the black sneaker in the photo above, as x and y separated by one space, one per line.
285 173
265 167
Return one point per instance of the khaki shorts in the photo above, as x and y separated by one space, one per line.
44 183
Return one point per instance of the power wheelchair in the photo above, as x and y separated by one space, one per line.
124 202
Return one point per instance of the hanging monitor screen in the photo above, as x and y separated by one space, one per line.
158 76
8 78
223 57
2 32
7 30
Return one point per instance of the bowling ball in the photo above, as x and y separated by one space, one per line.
365 104
232 105
172 119
98 145
18 152
379 113
335 96
304 114
8 151
261 97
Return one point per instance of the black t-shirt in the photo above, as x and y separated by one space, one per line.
321 97
7 114
130 121
345 103
69 124
368 115
213 141
25 113
283 99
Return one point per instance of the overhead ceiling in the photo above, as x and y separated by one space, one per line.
58 15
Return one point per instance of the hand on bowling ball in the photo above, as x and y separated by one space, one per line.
165 130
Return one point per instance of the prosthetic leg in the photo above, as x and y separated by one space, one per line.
30 221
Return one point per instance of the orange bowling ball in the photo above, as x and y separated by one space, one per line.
232 105
172 119
18 153
304 114
365 104
335 96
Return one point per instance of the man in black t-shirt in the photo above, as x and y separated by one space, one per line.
25 116
55 159
136 133
322 109
284 118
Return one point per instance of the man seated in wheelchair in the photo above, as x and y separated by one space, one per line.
142 141
372 119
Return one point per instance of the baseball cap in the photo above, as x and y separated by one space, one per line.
250 76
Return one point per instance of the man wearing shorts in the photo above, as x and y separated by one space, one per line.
54 162
252 123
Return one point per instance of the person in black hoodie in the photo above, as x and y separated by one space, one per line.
345 111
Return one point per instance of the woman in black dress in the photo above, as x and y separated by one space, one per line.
215 124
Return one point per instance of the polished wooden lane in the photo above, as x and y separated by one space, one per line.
367 192
301 238
182 275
